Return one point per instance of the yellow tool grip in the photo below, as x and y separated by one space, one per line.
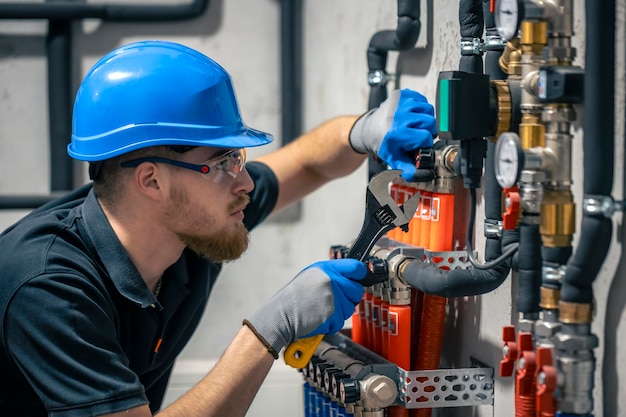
299 353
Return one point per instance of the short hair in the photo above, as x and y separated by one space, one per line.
108 176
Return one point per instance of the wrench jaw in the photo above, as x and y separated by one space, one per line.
408 210
382 214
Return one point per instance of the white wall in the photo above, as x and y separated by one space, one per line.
243 35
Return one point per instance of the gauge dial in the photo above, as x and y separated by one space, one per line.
509 157
508 17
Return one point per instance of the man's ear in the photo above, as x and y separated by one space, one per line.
151 180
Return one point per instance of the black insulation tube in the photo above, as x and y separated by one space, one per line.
472 23
493 52
403 38
461 282
529 269
598 148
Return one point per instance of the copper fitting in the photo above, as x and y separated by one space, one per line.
532 131
558 214
575 313
549 298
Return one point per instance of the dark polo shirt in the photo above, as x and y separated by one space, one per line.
80 332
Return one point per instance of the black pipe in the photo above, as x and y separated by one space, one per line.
494 46
461 282
60 14
472 23
72 10
598 148
58 47
291 68
529 269
403 38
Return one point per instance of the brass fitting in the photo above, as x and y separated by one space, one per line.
503 95
549 298
575 313
557 218
511 57
447 157
534 36
532 131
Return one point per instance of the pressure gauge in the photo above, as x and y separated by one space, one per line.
508 15
509 157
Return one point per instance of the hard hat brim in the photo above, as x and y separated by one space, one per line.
244 138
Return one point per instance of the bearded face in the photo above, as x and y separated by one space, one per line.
211 235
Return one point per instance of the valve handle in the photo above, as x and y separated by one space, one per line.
509 351
525 387
546 383
299 353
512 203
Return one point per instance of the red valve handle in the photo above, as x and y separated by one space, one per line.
509 351
546 383
527 365
512 208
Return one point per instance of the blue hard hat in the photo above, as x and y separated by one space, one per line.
156 93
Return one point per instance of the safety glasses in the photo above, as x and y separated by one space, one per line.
214 169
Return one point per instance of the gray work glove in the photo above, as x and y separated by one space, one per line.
317 301
393 132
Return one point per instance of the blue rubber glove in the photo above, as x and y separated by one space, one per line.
393 132
317 301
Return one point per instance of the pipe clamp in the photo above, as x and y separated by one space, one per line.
494 43
493 230
473 47
377 78
601 205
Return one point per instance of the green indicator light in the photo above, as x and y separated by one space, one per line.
444 105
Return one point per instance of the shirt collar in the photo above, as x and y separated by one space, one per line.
113 256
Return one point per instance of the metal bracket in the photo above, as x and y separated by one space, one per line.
449 259
446 387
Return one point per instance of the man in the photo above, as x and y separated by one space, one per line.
101 289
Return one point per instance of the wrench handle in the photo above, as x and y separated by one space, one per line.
299 353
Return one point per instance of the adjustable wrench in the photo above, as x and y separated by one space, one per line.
382 214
